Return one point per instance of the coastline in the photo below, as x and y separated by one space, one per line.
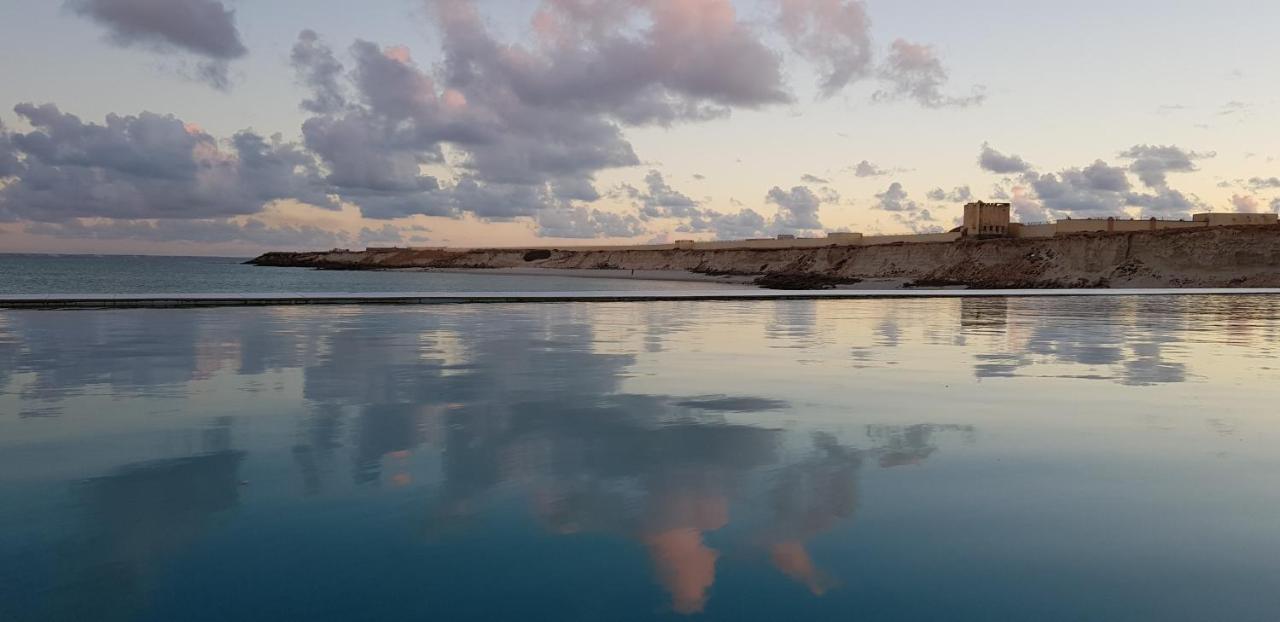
1224 256
170 301
732 280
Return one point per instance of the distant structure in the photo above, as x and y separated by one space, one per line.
992 220
986 219
982 220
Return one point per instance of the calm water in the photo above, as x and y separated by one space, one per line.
136 274
960 459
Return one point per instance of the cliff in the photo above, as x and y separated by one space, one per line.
1244 256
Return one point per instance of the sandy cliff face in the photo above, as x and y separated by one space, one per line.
1214 257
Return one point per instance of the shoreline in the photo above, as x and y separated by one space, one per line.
171 301
684 276
1228 256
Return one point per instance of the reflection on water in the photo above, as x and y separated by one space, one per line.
631 461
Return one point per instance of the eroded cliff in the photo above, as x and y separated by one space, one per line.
1246 256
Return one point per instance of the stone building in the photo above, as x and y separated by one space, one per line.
981 219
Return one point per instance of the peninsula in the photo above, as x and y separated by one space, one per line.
987 251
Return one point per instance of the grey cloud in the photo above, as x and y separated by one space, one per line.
517 159
574 189
1165 203
895 199
1088 192
1101 176
579 222
833 34
813 179
920 221
746 223
663 201
1255 183
10 166
386 234
913 71
1152 163
205 28
319 71
867 169
960 194
994 161
148 166
797 209
1101 191
528 125
210 231
1098 190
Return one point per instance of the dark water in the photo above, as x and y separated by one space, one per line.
959 459
138 274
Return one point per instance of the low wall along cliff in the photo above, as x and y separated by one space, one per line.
1241 256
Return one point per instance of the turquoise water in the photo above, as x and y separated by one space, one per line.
959 459
139 274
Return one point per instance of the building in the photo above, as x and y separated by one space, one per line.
982 219
1223 219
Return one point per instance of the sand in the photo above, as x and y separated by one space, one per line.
1242 256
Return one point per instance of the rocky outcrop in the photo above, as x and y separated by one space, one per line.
1245 256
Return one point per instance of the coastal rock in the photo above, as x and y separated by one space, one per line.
1242 256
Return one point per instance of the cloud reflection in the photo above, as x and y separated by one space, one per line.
558 407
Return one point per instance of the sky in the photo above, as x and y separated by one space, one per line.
229 127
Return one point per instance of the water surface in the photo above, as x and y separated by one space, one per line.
962 459
144 274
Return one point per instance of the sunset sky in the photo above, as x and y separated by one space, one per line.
231 127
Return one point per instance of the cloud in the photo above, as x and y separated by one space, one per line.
1026 208
10 166
642 61
895 199
745 223
867 169
1275 205
833 34
797 209
813 179
526 126
1165 203
913 71
1096 191
994 161
663 201
206 28
906 212
320 72
207 231
1099 190
147 166
1244 203
1152 163
579 222
961 194
1257 183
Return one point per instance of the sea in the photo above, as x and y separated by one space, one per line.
984 458
147 274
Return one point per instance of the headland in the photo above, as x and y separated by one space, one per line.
987 252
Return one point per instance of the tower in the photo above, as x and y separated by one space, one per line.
984 219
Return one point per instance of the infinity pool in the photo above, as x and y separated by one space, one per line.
961 459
